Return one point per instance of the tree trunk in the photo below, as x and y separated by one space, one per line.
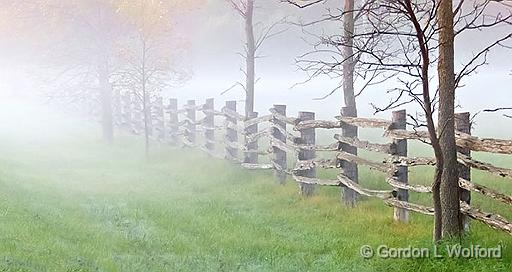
446 122
107 122
350 109
427 105
250 61
348 57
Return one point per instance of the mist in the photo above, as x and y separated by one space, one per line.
114 159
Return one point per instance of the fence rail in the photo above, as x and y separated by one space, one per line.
240 138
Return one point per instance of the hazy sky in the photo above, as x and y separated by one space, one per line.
215 34
217 67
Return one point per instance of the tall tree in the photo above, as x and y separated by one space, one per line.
245 9
399 43
349 196
451 218
319 63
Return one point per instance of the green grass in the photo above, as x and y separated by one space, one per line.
70 203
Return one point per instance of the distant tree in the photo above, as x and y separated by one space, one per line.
253 42
79 39
151 54
85 44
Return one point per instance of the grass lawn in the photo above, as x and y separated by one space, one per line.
70 203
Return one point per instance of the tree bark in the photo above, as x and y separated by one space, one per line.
350 109
348 56
449 189
250 59
428 108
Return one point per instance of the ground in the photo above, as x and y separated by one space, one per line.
70 203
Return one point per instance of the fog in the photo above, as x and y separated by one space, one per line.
211 33
100 170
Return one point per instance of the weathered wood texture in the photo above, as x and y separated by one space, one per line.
307 137
484 144
348 183
190 128
282 117
346 145
231 134
209 125
467 185
173 128
409 206
279 132
251 144
350 169
463 124
362 122
495 221
495 170
302 125
401 172
381 148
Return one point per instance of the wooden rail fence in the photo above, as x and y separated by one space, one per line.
238 140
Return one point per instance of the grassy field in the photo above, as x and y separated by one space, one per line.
70 203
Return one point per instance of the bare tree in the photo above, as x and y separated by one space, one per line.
151 56
397 41
253 42
80 49
500 109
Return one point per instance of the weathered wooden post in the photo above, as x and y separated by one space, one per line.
279 156
209 125
307 137
190 134
401 174
127 110
160 120
173 121
251 155
349 168
231 133
463 124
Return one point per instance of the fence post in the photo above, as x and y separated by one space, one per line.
401 174
190 134
279 156
209 125
173 121
160 120
231 134
307 137
127 110
463 124
349 168
251 155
